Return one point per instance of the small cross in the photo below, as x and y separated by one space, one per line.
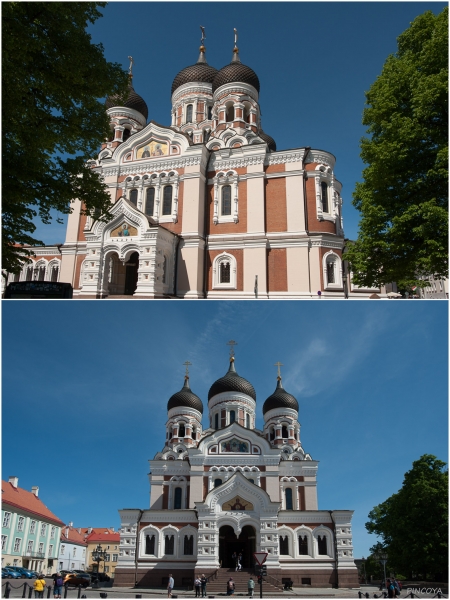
130 69
203 34
231 343
278 364
235 37
188 364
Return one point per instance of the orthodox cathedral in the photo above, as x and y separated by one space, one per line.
233 488
206 207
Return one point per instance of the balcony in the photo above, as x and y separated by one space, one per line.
29 554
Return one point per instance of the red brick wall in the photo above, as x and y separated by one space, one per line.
277 270
313 222
276 213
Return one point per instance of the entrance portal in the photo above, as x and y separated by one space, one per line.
229 543
122 278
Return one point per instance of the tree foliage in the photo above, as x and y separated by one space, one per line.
53 120
413 523
403 200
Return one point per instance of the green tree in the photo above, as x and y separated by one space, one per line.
53 121
413 523
403 200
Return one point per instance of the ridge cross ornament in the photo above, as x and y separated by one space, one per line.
232 343
278 364
187 364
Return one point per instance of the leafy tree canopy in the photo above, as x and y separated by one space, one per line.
413 523
403 200
53 121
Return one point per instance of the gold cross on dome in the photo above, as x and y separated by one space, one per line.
278 364
203 34
231 343
130 69
235 37
187 364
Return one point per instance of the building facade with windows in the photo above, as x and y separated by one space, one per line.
108 540
72 550
205 207
234 488
30 531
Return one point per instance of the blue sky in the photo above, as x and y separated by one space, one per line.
86 385
314 60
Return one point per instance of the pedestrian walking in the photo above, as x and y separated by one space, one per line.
239 562
234 559
39 587
390 588
57 585
170 585
203 582
230 587
197 585
251 587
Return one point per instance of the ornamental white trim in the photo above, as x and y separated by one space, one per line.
218 265
332 262
222 179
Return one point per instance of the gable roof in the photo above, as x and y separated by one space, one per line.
103 537
71 534
17 497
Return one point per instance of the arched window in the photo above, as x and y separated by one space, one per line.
216 421
149 544
226 200
41 273
133 197
188 544
225 272
322 544
230 113
167 200
284 432
288 498
177 497
330 271
217 482
247 421
189 113
29 273
284 545
150 202
324 189
303 545
209 113
54 276
182 430
126 134
272 434
232 416
169 544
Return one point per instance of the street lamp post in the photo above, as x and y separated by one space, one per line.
98 555
382 558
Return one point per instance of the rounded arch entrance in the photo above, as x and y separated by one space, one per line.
230 543
121 276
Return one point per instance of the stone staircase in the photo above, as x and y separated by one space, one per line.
218 586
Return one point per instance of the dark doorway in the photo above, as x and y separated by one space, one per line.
131 274
230 543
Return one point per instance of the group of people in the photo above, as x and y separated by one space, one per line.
393 587
40 585
237 559
200 586
231 587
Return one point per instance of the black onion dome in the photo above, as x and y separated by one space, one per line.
185 397
236 72
269 140
133 101
280 399
232 382
201 72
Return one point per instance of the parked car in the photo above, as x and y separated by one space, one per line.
76 579
24 573
99 576
10 574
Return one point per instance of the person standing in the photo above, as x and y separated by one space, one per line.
234 559
203 582
239 562
197 585
230 587
251 587
57 585
39 587
170 585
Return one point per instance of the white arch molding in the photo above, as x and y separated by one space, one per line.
221 262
